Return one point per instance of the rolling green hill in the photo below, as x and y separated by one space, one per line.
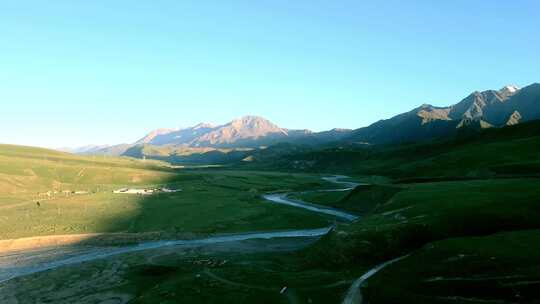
28 170
186 155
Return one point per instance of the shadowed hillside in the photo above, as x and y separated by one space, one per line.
472 153
479 110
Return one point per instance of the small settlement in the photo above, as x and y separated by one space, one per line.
145 191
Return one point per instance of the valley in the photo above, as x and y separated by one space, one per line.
251 233
272 152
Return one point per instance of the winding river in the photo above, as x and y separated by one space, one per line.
283 198
46 259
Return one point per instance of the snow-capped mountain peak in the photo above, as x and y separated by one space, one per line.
510 89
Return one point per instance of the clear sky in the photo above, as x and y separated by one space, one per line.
81 72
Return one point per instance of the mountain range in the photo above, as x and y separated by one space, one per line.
479 110
509 105
247 132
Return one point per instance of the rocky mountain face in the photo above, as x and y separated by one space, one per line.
245 132
493 108
241 133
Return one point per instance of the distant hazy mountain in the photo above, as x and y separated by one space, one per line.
152 135
115 150
84 149
493 108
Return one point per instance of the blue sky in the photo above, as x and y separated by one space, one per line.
81 72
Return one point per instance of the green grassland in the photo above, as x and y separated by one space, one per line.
493 223
210 201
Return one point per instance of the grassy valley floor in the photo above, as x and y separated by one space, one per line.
465 240
59 193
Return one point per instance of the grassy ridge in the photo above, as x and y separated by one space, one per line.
187 155
27 171
361 200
